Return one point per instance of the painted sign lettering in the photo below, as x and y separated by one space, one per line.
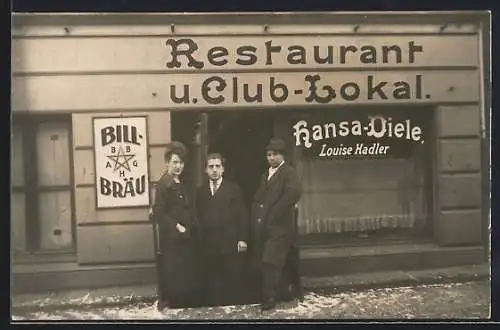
375 135
187 51
313 88
121 162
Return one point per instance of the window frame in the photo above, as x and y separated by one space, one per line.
425 235
28 125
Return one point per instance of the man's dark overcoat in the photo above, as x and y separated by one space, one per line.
223 218
273 218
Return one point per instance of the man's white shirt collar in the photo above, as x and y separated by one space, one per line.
217 184
274 170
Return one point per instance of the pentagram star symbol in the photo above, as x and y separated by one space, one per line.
121 160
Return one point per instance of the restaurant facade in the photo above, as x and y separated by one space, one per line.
385 116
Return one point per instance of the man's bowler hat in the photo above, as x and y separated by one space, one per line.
276 145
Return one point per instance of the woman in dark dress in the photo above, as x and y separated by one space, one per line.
177 261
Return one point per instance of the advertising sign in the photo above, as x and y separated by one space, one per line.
385 134
121 162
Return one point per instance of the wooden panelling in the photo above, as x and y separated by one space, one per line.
142 91
458 194
345 261
86 209
18 221
17 166
84 278
460 155
158 126
143 53
115 243
458 120
460 227
459 190
156 163
53 154
55 220
84 166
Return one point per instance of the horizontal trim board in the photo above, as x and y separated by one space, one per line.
114 223
166 28
203 18
42 258
54 35
84 148
132 207
85 185
460 175
146 262
478 171
233 108
355 190
57 281
54 188
455 209
74 267
459 137
367 251
318 69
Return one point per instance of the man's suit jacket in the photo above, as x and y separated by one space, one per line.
273 216
223 218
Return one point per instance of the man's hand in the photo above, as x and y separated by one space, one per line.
180 228
242 246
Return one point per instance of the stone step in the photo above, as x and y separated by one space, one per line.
316 261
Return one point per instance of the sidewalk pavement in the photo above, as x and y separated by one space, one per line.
122 296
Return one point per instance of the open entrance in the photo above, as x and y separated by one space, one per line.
240 136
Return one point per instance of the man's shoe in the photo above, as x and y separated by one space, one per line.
287 294
268 304
299 294
162 304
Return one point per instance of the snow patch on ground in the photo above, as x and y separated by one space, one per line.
425 301
313 303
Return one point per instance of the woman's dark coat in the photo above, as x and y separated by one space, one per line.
179 256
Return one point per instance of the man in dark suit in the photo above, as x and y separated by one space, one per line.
274 235
223 220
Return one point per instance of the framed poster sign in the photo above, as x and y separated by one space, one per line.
121 162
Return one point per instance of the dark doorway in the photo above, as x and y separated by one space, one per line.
241 138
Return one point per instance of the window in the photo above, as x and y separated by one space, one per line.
355 198
42 194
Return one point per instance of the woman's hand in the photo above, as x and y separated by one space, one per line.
242 246
180 228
